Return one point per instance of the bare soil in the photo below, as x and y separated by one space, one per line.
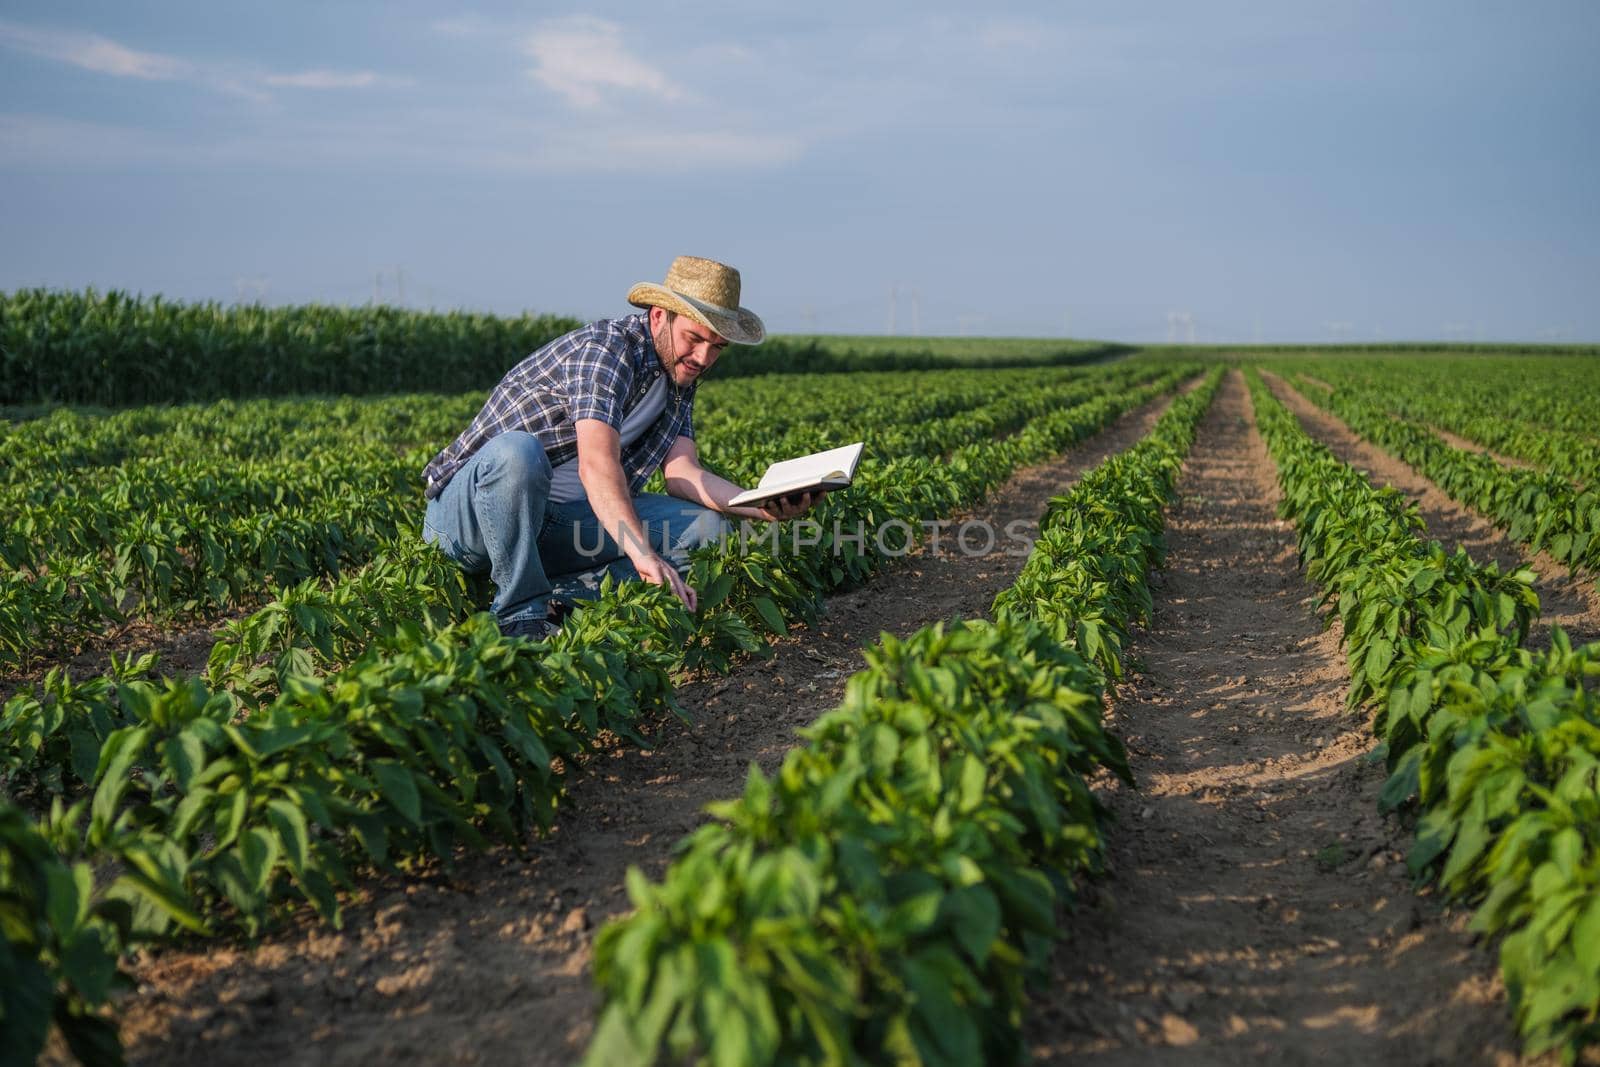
1256 907
1566 600
1457 441
489 963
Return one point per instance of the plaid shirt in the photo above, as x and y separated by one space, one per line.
600 371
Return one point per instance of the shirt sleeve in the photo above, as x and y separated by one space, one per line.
596 379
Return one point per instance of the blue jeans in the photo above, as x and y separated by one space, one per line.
495 516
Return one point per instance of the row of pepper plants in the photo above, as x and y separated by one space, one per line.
152 545
890 892
1538 410
71 449
1495 746
202 815
1543 509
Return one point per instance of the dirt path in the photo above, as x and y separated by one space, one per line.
491 964
1458 442
1565 600
1255 909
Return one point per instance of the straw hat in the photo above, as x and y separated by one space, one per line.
707 292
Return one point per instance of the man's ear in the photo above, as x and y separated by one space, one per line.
658 317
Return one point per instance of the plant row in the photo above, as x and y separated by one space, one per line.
1541 509
1536 410
101 506
76 450
890 892
1496 746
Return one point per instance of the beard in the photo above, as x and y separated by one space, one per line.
668 354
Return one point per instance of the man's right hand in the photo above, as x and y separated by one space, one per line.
658 571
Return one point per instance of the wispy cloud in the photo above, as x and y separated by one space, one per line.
101 55
585 60
92 52
331 79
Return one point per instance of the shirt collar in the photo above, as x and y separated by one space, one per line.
652 358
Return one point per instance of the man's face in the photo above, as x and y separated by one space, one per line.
687 349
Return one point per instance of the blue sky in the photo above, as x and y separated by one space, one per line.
1222 171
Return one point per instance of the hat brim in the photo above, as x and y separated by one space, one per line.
739 325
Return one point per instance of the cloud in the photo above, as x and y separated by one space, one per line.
102 55
93 52
330 79
585 61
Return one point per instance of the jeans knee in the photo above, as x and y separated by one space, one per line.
704 528
513 461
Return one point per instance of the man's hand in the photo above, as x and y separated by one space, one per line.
789 507
658 571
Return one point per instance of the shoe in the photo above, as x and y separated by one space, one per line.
557 610
532 629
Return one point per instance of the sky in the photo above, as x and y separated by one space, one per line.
1222 172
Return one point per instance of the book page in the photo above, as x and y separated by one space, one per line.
839 463
832 469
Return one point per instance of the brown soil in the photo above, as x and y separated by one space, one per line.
1566 600
490 963
182 651
1256 907
1458 442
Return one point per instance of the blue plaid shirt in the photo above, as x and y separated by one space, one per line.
600 371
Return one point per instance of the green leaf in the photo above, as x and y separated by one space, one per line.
25 998
183 755
146 880
974 914
398 785
290 824
258 853
68 893
121 750
770 614
974 777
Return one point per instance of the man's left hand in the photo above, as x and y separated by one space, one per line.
789 507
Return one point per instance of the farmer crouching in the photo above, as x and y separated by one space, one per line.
542 490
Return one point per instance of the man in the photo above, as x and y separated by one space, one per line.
543 487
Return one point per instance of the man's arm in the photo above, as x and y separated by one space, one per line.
600 471
687 480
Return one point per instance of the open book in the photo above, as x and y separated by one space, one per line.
832 469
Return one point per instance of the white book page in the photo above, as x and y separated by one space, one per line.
816 467
832 469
